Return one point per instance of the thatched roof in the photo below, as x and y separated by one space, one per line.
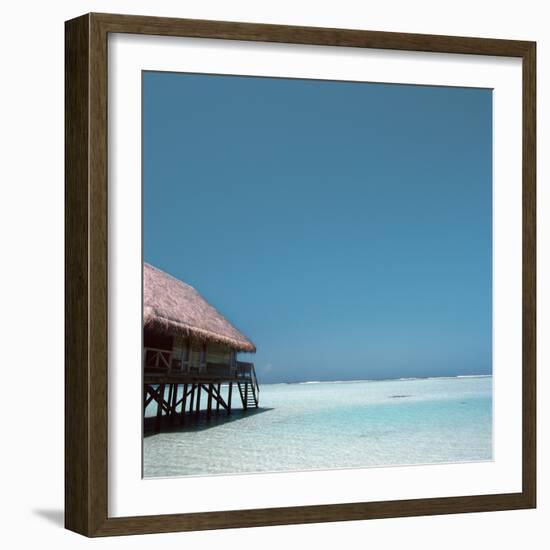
170 305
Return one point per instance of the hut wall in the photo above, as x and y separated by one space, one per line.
180 346
195 354
215 353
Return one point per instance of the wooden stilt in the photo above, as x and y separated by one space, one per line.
159 407
198 398
229 397
192 400
169 400
218 397
209 406
218 400
150 394
183 403
241 392
246 396
173 402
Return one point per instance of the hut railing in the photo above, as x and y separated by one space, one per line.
163 360
243 370
157 359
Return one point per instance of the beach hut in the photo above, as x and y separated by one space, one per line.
189 350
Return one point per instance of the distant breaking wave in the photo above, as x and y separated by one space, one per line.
327 381
473 376
404 379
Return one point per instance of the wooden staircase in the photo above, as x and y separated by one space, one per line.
249 391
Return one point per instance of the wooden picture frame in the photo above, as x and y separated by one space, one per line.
86 283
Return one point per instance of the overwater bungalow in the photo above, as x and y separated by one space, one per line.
190 352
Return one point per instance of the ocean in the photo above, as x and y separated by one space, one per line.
326 425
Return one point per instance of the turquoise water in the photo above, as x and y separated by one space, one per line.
334 425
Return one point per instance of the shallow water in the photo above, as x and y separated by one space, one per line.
334 425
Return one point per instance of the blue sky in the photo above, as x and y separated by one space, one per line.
346 228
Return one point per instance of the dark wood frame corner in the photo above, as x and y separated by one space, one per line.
86 439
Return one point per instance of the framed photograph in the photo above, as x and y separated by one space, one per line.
300 274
